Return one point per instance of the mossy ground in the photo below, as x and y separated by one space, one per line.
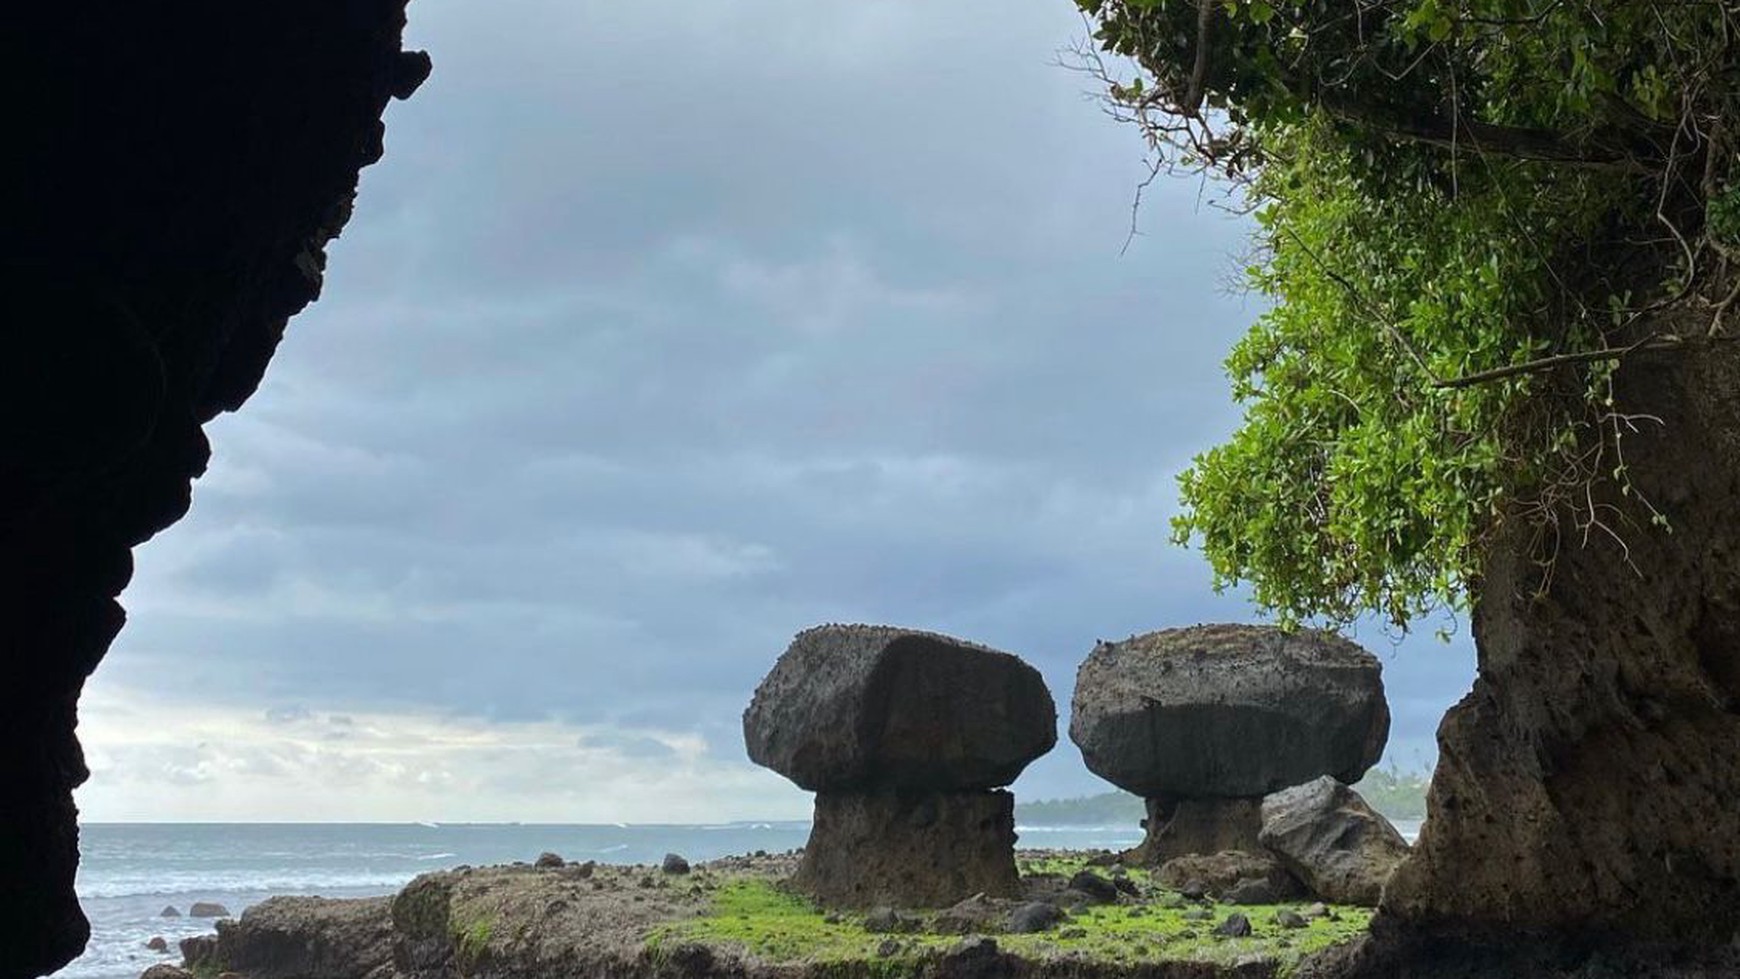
758 917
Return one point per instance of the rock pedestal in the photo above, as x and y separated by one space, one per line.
1204 721
909 849
903 736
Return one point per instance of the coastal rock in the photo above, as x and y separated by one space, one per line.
674 864
1098 889
924 849
1034 916
1179 827
164 970
1228 711
549 861
1332 840
157 943
207 909
1196 875
171 193
169 911
300 937
854 707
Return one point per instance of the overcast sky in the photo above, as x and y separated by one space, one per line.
657 337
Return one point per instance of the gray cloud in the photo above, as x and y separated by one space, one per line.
658 338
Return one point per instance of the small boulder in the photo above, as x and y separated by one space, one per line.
208 909
1228 710
885 920
975 915
848 707
1331 839
157 943
674 864
1251 890
1235 926
169 911
549 861
1288 918
1098 889
1218 873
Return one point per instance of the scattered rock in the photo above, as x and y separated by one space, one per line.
169 911
884 920
1033 917
1235 926
1218 873
1125 885
887 947
1228 710
584 870
674 864
1251 890
550 860
157 944
854 707
1072 933
976 914
1097 888
1338 845
1316 910
1288 918
208 909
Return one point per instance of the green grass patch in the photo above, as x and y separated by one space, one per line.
756 917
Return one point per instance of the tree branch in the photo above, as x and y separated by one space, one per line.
1461 132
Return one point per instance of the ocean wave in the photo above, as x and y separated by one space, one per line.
238 883
438 856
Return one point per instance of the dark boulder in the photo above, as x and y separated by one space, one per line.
855 707
207 909
1228 711
1034 916
1098 889
1220 873
296 937
1333 841
1235 926
549 861
674 864
169 911
157 943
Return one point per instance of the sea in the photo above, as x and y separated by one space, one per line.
130 872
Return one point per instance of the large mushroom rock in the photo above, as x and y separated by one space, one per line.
1204 721
1328 836
169 195
904 736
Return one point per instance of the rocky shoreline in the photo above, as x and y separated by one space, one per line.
1077 915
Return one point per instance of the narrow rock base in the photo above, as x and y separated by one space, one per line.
909 849
1181 827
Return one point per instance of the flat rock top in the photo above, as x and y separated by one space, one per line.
853 707
1228 710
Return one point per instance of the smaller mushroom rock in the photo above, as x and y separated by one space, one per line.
849 707
1228 711
1333 840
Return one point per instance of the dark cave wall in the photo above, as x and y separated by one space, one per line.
173 172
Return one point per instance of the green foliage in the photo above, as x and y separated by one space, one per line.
1448 192
471 943
758 918
1395 793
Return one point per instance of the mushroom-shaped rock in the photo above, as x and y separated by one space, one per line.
1220 711
848 707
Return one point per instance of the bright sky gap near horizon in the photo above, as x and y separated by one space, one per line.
655 339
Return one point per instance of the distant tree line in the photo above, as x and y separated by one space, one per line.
1397 794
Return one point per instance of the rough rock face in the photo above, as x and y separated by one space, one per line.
924 849
1333 841
168 196
847 707
1587 784
1178 827
1228 711
301 937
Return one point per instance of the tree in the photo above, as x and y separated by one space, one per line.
1498 373
1469 211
